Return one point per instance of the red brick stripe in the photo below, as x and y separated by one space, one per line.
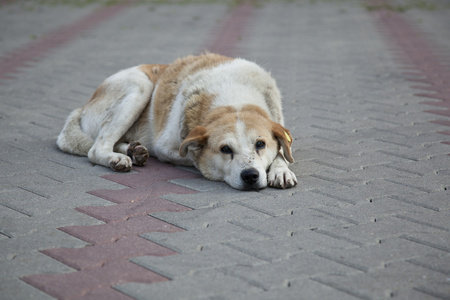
422 64
106 262
224 39
33 51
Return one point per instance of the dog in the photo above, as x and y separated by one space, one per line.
222 115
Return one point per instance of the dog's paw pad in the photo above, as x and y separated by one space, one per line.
282 178
121 164
138 153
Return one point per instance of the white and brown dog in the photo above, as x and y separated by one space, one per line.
220 114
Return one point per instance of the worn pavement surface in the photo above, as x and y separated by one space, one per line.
366 95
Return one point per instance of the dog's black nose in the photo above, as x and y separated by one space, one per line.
250 176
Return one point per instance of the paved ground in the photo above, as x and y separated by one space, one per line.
366 96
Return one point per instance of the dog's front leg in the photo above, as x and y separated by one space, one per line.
279 175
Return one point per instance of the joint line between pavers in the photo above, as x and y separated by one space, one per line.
178 226
250 253
325 178
393 143
148 237
326 128
243 278
431 293
404 170
242 203
329 140
16 210
336 216
317 161
152 269
421 222
429 267
397 155
341 154
432 245
334 197
33 192
344 290
414 203
421 189
341 261
246 227
330 234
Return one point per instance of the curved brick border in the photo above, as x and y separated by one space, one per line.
106 263
421 62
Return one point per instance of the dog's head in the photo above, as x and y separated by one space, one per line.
237 146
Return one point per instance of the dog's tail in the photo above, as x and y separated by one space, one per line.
72 139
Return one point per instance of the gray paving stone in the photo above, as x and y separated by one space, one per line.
372 190
287 270
289 224
210 216
178 266
383 284
379 229
37 23
196 239
31 263
206 285
14 288
371 168
385 252
211 198
370 211
439 263
282 247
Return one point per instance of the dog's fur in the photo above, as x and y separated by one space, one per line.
220 114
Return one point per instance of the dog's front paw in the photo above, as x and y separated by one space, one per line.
138 153
121 163
282 178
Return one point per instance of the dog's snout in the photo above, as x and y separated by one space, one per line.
250 176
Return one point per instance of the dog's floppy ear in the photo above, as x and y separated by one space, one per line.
284 138
196 139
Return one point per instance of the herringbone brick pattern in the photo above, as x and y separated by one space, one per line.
369 219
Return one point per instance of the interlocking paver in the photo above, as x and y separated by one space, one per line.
190 263
368 220
383 284
205 235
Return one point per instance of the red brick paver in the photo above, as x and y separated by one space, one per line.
422 64
106 262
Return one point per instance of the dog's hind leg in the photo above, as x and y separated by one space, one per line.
128 94
135 150
72 139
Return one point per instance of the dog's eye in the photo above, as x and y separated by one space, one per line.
226 150
260 145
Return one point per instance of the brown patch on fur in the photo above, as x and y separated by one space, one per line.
170 82
254 109
252 114
284 138
153 72
197 138
99 93
223 114
196 110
